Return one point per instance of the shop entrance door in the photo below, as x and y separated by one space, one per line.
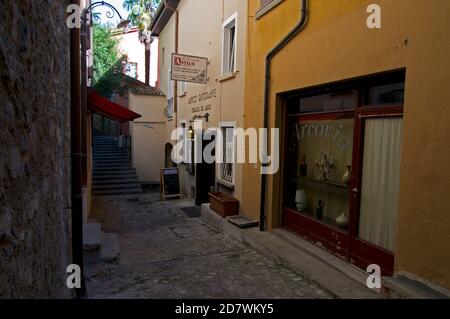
376 191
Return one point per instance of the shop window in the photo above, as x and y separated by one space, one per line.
227 165
319 168
342 166
229 46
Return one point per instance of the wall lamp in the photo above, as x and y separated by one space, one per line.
123 24
198 117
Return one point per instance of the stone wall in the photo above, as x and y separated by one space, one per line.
35 227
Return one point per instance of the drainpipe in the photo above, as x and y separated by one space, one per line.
83 45
291 35
76 152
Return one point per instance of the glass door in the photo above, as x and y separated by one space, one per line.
377 192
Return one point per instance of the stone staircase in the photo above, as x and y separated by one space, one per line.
113 173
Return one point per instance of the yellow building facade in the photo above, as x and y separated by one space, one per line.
337 57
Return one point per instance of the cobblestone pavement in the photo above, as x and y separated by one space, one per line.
166 254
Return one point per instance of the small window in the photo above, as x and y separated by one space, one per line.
181 88
227 165
229 46
385 94
169 86
339 100
163 56
169 107
130 69
182 153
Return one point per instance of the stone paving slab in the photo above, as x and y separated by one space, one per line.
165 254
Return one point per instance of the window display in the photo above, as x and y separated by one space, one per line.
320 168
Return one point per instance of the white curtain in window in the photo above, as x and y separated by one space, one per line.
380 181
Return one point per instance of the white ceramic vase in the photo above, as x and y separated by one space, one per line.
347 176
300 200
342 220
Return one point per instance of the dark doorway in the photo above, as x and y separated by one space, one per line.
205 172
168 162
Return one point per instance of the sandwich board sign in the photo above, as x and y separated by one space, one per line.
170 183
189 68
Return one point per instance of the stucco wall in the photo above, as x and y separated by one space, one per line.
130 45
35 149
148 136
337 45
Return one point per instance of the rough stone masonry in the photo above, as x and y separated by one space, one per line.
34 149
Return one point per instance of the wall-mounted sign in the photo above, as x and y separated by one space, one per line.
189 68
202 102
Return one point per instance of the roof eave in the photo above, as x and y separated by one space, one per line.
163 15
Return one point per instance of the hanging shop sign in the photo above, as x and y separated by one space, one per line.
189 68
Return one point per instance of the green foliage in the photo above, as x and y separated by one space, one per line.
107 75
141 13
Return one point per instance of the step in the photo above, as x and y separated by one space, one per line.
116 160
115 152
111 156
292 257
116 181
118 192
106 173
110 250
98 187
403 287
112 167
112 160
337 263
111 142
101 177
97 150
92 236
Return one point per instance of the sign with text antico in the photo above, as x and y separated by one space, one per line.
189 68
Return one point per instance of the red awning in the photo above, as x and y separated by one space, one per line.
109 109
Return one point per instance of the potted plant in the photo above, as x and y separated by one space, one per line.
223 204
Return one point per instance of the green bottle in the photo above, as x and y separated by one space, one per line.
319 210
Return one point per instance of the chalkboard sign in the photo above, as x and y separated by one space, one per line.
170 183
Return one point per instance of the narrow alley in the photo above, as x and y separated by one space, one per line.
166 254
224 150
